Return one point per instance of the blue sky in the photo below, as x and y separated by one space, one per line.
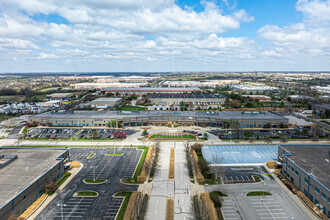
164 35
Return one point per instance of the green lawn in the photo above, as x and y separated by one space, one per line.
326 122
64 177
91 155
115 154
139 166
256 178
86 193
96 180
258 193
131 108
48 89
123 207
161 136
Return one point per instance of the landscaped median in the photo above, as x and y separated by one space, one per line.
114 154
91 155
258 193
86 194
170 209
146 166
171 171
208 207
133 206
96 181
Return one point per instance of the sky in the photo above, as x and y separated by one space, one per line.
164 35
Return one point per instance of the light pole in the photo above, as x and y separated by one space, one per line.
61 205
93 167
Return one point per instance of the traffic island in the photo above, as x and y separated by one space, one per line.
114 154
86 194
91 155
94 181
258 193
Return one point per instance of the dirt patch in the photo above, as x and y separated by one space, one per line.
271 165
208 207
132 206
32 207
74 164
171 171
146 166
170 209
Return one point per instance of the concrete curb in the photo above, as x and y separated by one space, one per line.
42 202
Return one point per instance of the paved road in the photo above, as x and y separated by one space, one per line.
105 206
182 199
278 206
312 120
162 187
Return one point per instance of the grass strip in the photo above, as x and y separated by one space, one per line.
124 204
96 180
91 155
258 193
114 154
86 193
65 176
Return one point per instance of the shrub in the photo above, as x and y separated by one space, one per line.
51 187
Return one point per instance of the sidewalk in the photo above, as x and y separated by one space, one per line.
49 199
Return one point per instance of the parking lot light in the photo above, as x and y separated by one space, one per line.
61 205
93 167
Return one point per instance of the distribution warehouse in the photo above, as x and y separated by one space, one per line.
139 118
308 167
24 173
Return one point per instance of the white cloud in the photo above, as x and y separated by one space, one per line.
43 55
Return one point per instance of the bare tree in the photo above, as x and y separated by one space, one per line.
268 140
217 167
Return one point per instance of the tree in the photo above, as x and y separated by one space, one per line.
205 136
191 106
95 135
251 139
145 133
283 138
235 104
248 134
217 167
249 105
268 140
227 101
51 187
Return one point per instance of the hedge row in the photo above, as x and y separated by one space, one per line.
171 171
209 209
170 209
132 206
199 176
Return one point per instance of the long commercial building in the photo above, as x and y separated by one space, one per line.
144 118
87 86
24 173
308 168
196 100
150 90
207 83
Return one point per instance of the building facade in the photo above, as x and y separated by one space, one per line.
151 90
144 118
308 168
106 102
196 101
19 193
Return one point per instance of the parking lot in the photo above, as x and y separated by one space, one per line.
265 207
238 155
111 168
262 133
75 133
241 174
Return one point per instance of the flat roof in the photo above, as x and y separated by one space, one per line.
151 89
187 96
312 159
20 173
106 100
236 115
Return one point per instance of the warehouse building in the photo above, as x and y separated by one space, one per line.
90 86
139 118
308 168
24 173
106 102
201 84
250 89
150 90
197 101
129 79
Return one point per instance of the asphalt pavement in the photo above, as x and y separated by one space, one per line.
111 168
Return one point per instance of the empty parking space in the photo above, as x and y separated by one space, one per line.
266 207
231 155
112 168
229 210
